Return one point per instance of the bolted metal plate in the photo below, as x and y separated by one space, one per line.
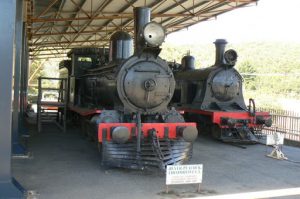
225 85
145 84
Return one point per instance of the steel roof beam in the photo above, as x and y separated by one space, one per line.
71 33
47 8
126 7
79 7
111 20
74 25
99 9
65 42
172 21
117 16
215 6
205 19
57 48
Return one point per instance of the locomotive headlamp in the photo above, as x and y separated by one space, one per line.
154 34
230 57
120 134
189 133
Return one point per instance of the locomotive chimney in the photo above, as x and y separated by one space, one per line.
220 48
141 18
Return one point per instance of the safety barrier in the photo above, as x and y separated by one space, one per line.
286 122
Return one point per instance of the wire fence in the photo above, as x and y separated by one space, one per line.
286 122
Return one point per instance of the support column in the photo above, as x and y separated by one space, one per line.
9 188
24 73
17 119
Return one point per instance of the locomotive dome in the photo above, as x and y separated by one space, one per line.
121 45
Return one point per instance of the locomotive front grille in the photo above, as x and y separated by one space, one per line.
154 153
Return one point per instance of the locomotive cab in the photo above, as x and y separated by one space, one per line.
79 62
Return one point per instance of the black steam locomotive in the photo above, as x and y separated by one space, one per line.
123 99
213 97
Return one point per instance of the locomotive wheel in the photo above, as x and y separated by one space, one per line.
216 131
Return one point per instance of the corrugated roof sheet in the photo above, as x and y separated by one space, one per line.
55 26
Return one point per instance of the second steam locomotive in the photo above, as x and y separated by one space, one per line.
213 97
124 100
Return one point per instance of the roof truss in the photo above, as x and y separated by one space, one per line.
58 25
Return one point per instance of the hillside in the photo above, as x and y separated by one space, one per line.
276 68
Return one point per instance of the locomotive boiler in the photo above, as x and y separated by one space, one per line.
125 101
213 97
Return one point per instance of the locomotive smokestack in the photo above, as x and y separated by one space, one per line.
141 18
220 48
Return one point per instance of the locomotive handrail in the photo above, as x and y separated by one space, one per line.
252 113
60 104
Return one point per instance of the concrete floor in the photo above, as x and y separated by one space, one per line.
67 166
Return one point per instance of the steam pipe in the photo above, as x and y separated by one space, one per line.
141 18
220 49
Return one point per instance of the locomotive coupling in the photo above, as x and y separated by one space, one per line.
266 121
189 133
120 134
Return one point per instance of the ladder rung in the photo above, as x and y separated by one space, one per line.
47 103
52 111
52 78
54 89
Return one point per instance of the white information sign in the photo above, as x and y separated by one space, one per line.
184 174
275 139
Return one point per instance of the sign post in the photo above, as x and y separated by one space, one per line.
184 174
276 140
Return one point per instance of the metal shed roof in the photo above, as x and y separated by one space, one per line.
54 26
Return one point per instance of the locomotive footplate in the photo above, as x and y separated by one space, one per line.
157 149
234 127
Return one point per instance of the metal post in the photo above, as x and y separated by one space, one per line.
199 188
17 122
39 107
24 74
9 188
65 98
139 134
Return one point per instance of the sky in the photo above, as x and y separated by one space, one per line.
269 20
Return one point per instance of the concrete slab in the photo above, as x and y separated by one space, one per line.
68 166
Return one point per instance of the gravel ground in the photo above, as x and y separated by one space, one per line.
66 166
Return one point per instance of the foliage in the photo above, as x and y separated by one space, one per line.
271 71
39 68
274 68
